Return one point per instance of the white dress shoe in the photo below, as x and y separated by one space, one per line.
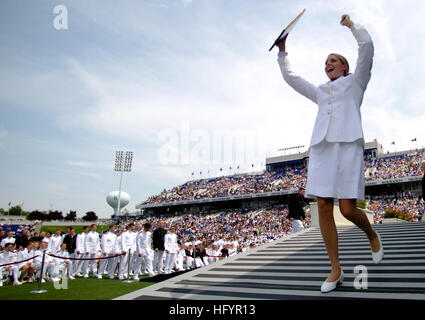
378 256
329 286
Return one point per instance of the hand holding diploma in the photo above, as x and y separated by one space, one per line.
286 31
346 21
282 43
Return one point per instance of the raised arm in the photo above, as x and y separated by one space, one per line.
366 50
299 84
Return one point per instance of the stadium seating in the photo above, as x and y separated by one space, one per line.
390 167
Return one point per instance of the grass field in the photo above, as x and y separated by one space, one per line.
78 289
78 229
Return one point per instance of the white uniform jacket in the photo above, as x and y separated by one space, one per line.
338 118
128 241
63 254
23 255
170 242
108 243
8 257
118 248
144 243
37 260
80 244
54 243
92 242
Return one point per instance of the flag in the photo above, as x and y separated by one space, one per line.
221 169
200 172
413 140
10 202
193 173
230 168
393 142
238 166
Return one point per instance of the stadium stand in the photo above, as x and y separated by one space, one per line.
383 167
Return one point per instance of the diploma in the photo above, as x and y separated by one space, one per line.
288 28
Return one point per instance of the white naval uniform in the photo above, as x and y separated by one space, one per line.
54 244
49 267
115 261
80 250
23 255
128 242
9 257
138 258
144 248
37 262
92 241
336 163
60 264
170 245
108 250
179 259
297 225
7 240
211 253
189 259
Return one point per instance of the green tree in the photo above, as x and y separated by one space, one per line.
90 216
37 215
71 216
15 211
55 215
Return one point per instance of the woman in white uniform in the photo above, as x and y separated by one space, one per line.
336 164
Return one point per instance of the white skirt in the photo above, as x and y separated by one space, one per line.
336 170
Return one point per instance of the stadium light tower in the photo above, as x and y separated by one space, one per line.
122 163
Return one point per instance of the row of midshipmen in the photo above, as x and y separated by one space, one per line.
135 246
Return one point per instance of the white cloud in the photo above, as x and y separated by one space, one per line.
187 2
89 164
3 135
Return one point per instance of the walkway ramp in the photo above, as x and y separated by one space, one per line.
295 267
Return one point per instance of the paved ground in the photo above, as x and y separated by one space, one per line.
296 266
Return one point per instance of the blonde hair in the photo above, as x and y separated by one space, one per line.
343 61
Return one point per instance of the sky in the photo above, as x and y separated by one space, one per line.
188 85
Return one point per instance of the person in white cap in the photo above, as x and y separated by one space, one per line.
63 264
8 256
38 260
27 267
55 241
128 247
188 257
118 250
180 257
171 247
144 249
92 250
108 250
336 159
80 249
8 239
137 257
